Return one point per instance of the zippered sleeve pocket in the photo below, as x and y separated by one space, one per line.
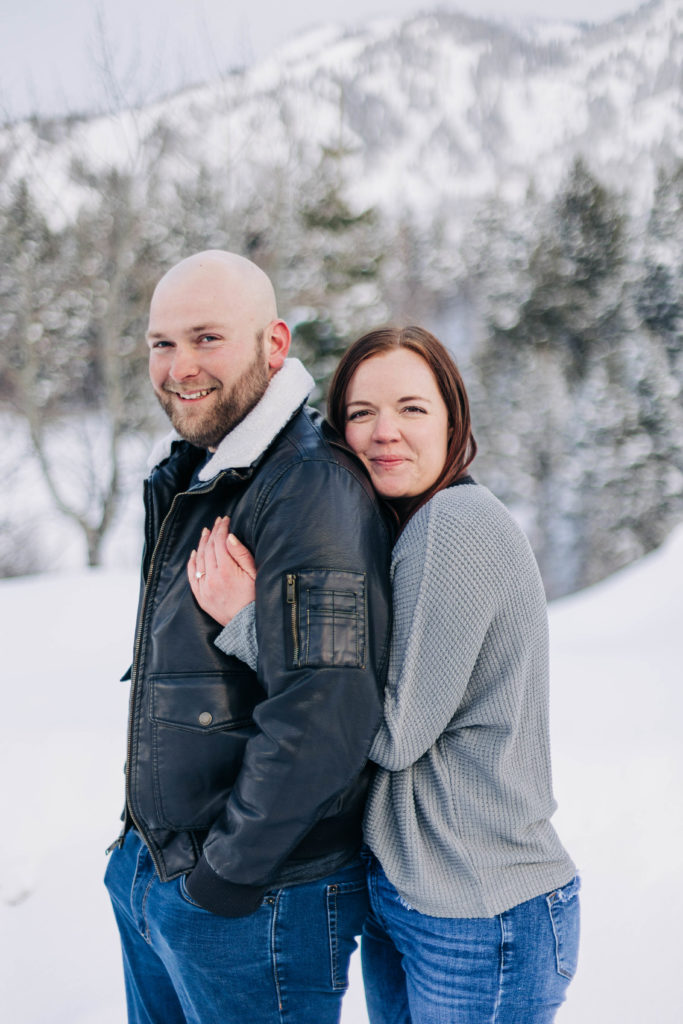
326 618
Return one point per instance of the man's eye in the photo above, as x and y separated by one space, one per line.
209 337
161 344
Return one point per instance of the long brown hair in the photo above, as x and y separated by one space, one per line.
461 444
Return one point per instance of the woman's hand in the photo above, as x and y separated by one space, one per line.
222 573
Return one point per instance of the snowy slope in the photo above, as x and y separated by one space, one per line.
441 105
617 707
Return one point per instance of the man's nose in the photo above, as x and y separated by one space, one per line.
183 365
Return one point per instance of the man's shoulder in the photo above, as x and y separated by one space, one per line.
304 431
309 437
307 453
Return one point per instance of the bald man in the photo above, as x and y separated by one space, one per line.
236 881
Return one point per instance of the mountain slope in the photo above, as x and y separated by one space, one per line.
439 105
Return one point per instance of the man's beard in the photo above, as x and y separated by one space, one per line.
227 409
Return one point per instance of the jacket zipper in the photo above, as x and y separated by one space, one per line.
136 659
291 601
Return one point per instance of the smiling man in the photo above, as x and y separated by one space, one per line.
236 881
205 379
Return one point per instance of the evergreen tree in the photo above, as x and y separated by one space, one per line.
335 269
659 294
546 370
75 361
30 275
576 269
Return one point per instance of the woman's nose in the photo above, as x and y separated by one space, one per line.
386 428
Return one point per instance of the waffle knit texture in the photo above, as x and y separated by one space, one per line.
459 811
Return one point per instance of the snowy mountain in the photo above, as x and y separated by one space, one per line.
419 170
436 106
616 705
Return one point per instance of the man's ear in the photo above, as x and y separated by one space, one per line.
278 342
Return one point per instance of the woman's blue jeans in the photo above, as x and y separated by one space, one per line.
287 963
510 969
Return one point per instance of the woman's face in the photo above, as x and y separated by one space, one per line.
397 422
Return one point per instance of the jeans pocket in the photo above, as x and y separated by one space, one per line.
182 889
347 908
390 894
563 906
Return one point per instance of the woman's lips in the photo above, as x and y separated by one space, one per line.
387 460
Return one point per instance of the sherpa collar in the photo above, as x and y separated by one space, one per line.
287 390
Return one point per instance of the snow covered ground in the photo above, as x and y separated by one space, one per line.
617 705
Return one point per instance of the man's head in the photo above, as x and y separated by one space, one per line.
215 341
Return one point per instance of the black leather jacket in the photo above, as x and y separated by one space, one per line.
244 778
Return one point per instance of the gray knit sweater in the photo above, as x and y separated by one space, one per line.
459 811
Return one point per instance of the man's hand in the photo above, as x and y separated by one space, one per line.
222 573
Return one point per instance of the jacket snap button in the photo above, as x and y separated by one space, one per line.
206 718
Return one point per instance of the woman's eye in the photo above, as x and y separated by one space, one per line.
358 414
414 408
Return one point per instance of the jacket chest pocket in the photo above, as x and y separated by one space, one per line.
200 725
327 618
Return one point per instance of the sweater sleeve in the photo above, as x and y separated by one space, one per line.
238 638
446 578
448 569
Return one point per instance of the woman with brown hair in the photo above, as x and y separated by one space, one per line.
475 910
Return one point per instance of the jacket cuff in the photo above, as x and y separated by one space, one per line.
216 894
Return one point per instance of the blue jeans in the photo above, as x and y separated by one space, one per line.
510 969
287 962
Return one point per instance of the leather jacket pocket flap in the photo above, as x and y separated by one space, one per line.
200 725
328 617
203 703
